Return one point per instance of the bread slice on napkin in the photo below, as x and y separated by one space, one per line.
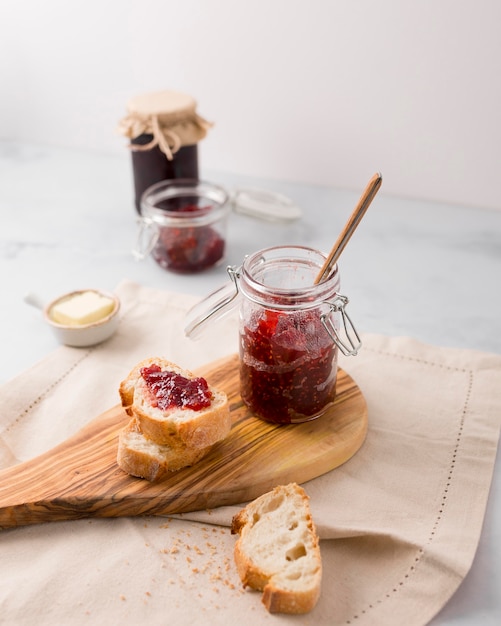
175 425
278 550
139 456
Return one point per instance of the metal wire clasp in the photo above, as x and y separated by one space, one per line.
234 273
352 342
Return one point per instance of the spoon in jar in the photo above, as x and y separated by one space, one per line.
363 204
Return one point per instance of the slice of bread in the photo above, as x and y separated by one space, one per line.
139 456
278 550
177 427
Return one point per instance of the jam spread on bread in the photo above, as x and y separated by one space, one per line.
170 390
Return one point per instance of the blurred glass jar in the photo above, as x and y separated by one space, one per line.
183 225
164 129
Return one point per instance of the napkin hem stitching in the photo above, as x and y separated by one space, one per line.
36 401
421 551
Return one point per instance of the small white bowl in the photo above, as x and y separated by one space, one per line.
87 334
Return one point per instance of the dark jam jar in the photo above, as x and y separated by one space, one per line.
152 166
288 357
164 129
183 225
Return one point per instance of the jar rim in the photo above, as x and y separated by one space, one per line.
172 189
220 302
307 295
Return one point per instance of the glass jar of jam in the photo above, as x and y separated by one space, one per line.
290 332
183 225
164 130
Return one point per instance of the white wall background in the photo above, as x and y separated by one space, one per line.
321 91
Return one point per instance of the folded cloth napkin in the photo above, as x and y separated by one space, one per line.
399 522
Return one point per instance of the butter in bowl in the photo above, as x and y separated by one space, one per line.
81 318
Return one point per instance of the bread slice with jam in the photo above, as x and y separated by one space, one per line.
173 407
278 550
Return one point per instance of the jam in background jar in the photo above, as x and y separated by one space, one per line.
188 218
288 360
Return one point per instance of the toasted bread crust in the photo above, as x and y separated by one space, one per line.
141 457
278 600
198 429
278 550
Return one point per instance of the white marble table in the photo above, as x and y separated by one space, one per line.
414 268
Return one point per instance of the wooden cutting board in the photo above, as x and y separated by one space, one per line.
80 478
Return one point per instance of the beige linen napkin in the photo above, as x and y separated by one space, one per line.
399 522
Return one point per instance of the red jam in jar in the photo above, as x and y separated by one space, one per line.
287 371
171 390
190 249
189 218
288 359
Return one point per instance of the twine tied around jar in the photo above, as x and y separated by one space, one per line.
170 131
167 119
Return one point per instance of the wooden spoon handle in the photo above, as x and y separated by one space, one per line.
363 204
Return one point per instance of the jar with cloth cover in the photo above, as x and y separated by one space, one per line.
164 129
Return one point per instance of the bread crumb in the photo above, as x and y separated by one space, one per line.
209 572
216 575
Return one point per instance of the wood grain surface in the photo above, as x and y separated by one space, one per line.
80 478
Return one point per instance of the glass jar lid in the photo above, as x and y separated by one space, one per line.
266 205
